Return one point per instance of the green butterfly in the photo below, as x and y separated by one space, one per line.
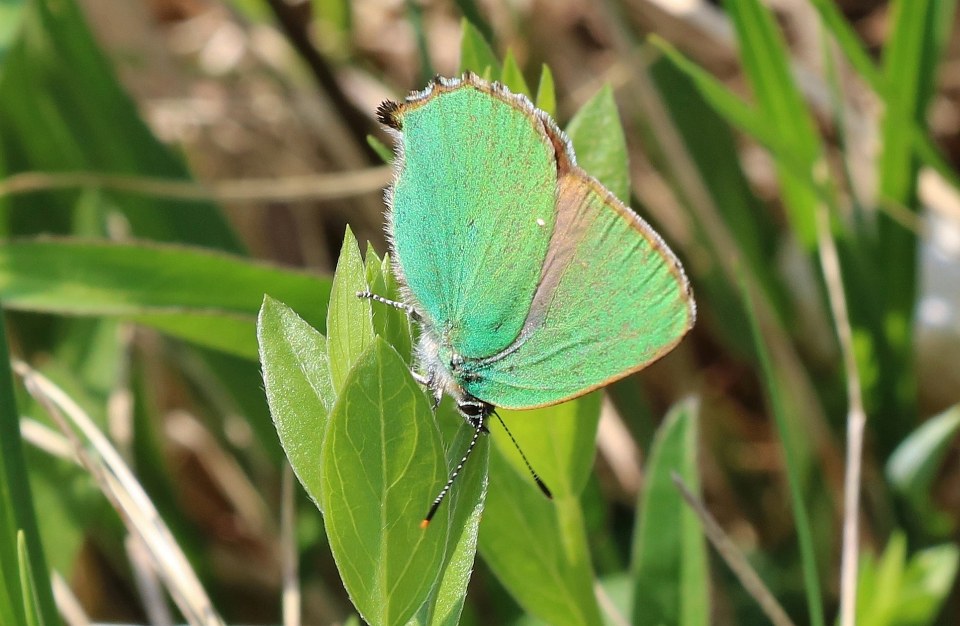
531 283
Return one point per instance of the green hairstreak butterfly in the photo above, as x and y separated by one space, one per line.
531 283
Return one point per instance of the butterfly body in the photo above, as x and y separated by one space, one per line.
532 283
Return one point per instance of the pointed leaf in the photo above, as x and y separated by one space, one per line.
210 298
512 76
526 540
18 522
475 53
349 318
546 93
296 378
913 466
671 583
598 141
382 464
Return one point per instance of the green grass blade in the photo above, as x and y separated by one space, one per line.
207 297
848 40
10 16
765 62
670 574
28 584
296 377
382 464
349 319
17 514
909 67
811 576
55 85
737 112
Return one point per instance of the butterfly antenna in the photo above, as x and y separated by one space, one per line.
536 477
453 475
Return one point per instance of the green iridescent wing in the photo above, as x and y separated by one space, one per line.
471 209
612 298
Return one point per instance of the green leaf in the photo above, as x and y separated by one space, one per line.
670 575
897 591
206 297
11 12
765 62
18 522
559 442
913 466
537 547
385 153
55 85
396 327
909 65
546 93
296 378
349 318
792 457
512 75
475 53
737 112
389 322
382 464
28 583
598 140
465 502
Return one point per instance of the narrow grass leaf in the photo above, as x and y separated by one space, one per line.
914 465
598 140
792 458
18 522
546 92
476 55
10 15
28 585
206 297
52 119
738 113
670 576
766 63
349 318
385 153
512 75
909 66
382 464
296 378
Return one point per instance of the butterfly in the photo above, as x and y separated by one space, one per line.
531 283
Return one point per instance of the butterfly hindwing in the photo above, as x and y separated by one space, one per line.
612 298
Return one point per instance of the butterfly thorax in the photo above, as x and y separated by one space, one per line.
446 371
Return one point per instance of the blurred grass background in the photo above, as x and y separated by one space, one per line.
742 127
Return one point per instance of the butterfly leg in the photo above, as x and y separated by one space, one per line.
427 381
409 310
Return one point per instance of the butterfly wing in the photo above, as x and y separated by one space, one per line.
612 298
472 209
